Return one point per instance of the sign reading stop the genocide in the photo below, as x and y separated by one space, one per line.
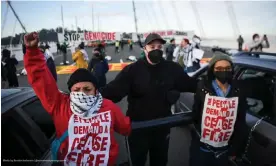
99 36
218 120
88 36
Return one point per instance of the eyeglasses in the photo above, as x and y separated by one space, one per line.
229 68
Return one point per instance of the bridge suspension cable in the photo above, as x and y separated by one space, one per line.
13 33
150 23
155 18
233 18
5 18
163 14
176 15
198 20
16 16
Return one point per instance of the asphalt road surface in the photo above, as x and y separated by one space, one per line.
180 136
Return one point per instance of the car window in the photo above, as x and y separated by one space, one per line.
17 143
39 115
259 88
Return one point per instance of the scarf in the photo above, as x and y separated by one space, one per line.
85 105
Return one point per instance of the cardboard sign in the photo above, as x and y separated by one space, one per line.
218 120
89 140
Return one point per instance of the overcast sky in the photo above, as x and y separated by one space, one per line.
252 16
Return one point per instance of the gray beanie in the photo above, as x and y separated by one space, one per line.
218 56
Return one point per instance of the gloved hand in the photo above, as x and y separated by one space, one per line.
172 96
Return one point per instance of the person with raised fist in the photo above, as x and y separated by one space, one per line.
85 121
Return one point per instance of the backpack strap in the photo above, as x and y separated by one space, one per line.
56 144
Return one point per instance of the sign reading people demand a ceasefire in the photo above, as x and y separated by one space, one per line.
89 140
88 36
218 120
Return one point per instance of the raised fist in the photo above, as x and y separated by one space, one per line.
31 39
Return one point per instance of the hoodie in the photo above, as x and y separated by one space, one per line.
89 140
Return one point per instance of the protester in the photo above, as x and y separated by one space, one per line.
103 44
170 50
58 48
79 58
23 48
63 48
179 53
196 42
4 77
99 67
117 46
240 42
50 61
130 45
122 44
81 46
219 112
185 57
152 85
84 118
10 66
258 44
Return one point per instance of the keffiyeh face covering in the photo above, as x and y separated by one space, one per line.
84 105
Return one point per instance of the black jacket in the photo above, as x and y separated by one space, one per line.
169 52
239 136
150 88
100 68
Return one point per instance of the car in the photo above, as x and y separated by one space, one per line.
258 81
28 130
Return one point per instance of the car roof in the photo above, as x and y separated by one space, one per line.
12 97
268 64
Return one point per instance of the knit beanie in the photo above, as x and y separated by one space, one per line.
82 75
218 56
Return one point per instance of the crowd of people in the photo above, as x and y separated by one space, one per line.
151 89
121 44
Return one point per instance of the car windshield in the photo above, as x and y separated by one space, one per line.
8 92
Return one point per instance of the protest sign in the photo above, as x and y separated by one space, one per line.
88 36
218 120
89 140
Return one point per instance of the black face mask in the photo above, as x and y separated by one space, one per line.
155 56
223 76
